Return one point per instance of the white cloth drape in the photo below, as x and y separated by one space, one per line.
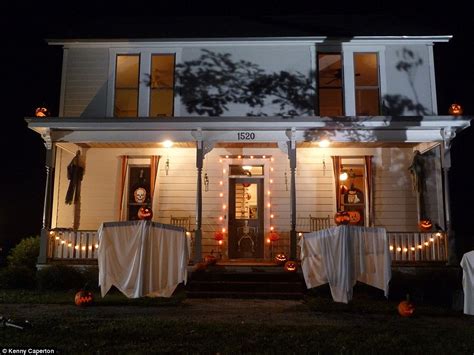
467 264
142 258
343 255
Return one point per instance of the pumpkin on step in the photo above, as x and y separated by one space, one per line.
210 259
280 259
406 308
291 266
83 298
342 217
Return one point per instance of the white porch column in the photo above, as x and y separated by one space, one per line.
48 197
448 134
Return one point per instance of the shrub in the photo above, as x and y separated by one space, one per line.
60 277
21 268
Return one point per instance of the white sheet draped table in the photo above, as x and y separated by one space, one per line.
343 255
142 258
467 264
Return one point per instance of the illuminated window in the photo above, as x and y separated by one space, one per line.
330 84
126 85
367 86
162 85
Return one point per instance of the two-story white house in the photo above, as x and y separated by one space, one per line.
241 137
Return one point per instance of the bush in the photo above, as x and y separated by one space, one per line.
60 277
21 268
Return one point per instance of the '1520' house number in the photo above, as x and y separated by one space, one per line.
245 136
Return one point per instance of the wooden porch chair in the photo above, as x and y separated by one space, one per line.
318 223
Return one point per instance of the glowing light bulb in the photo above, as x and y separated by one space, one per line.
268 192
188 234
83 247
96 246
426 243
76 247
391 247
399 249
221 194
220 183
268 241
272 228
220 242
300 234
324 143
271 216
224 207
57 238
431 239
271 169
63 242
263 156
239 157
90 247
412 248
223 230
227 156
271 181
405 250
220 160
269 205
251 157
69 245
343 176
220 218
420 246
167 144
224 171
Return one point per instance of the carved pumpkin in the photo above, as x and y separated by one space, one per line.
273 236
425 225
41 112
455 109
83 298
291 266
406 308
280 259
210 259
145 213
218 235
342 217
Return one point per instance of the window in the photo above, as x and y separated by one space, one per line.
126 85
138 190
162 85
330 84
352 192
367 86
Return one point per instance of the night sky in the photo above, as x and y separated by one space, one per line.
33 72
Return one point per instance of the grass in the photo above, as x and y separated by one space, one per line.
366 325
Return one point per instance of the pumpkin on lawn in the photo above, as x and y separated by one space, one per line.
291 266
280 259
425 225
145 213
406 308
342 217
83 298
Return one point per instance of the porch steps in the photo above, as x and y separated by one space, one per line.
262 282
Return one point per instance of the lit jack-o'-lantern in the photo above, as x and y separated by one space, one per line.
273 236
291 266
425 225
139 195
210 259
145 213
342 217
83 298
406 308
455 109
41 112
280 259
354 217
218 235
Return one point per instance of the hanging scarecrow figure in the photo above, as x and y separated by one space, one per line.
74 175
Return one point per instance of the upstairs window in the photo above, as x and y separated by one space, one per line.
330 84
162 85
126 85
367 84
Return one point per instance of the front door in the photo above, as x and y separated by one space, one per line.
245 218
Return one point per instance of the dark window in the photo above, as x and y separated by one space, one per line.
138 190
127 70
367 87
330 84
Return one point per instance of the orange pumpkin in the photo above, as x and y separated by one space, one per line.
354 217
342 217
145 213
425 225
455 109
291 266
273 236
280 259
210 259
83 298
41 112
406 308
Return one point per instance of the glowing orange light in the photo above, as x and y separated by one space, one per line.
220 242
268 241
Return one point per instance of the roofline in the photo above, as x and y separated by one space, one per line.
102 42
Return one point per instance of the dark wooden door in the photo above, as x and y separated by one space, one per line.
245 218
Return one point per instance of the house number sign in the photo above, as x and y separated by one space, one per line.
245 136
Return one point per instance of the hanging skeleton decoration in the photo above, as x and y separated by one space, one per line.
74 175
139 195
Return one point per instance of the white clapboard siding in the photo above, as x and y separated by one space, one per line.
86 82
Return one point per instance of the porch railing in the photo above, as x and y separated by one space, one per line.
69 244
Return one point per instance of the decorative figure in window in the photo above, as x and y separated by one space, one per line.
139 195
247 234
353 195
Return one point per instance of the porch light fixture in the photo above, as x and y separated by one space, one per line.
324 143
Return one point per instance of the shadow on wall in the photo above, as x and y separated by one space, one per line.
209 84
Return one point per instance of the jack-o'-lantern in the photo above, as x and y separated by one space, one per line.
455 109
145 213
218 235
139 195
291 266
342 217
273 236
354 217
210 259
425 225
280 259
83 298
41 112
406 308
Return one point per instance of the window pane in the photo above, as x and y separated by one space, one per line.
126 86
330 102
246 206
367 102
250 170
330 70
366 69
138 190
162 85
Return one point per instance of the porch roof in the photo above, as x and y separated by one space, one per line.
404 129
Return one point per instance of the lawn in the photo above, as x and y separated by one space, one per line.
316 325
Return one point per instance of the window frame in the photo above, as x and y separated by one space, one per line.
144 90
115 82
318 86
